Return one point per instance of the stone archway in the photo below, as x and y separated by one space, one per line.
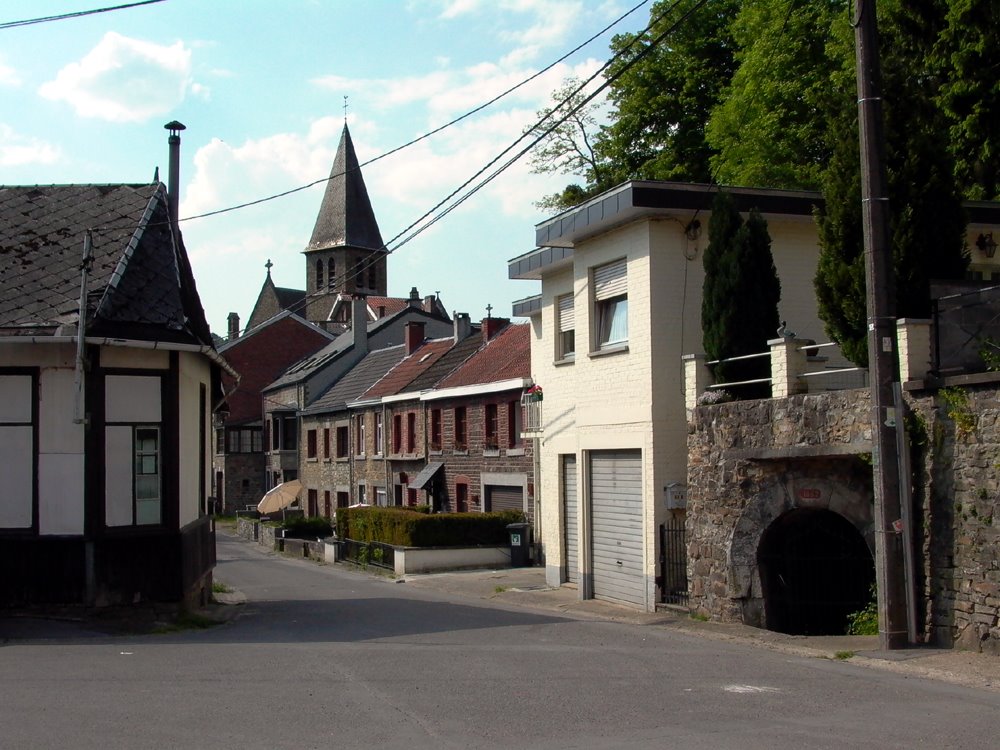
840 486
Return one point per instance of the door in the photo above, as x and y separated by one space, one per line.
616 526
571 519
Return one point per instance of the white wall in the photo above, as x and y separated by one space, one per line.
60 455
195 370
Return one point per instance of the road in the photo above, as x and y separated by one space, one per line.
322 657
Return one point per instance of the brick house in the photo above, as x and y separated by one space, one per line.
259 356
477 459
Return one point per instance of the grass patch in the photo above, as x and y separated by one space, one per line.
186 621
698 617
499 589
843 655
218 587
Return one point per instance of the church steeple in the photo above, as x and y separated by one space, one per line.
346 253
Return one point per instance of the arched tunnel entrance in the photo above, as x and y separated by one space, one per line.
815 569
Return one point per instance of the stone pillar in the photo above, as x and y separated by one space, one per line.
788 362
697 378
914 340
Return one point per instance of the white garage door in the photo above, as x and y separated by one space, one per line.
571 535
616 525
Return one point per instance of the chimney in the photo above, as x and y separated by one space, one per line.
493 326
414 336
234 326
174 172
462 325
414 300
429 303
359 324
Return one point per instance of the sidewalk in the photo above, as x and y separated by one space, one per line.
526 587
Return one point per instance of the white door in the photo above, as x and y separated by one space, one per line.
616 525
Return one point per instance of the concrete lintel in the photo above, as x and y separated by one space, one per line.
799 451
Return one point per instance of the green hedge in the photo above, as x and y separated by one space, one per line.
408 528
300 527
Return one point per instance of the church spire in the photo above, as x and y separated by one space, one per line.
346 218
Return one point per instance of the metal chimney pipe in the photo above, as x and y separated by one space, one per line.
174 174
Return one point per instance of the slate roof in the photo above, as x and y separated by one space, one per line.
505 357
140 284
346 218
400 376
361 377
293 300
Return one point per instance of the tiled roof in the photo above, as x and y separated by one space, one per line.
293 300
346 218
411 367
140 284
392 305
452 360
505 357
368 371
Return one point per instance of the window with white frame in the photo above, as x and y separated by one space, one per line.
610 284
379 435
565 326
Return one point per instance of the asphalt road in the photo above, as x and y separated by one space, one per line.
321 657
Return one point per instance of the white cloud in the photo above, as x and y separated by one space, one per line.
456 8
18 150
124 80
8 76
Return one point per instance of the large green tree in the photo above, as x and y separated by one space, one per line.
739 311
769 127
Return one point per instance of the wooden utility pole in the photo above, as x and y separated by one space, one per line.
880 289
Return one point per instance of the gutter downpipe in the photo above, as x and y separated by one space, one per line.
79 410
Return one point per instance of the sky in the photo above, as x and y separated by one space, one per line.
260 86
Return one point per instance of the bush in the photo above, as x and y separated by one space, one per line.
865 621
405 527
300 527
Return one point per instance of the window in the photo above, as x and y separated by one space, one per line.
490 427
17 449
326 442
373 276
243 440
311 446
461 434
435 429
327 510
331 272
220 442
378 433
513 424
380 496
312 503
319 274
461 497
566 327
359 432
411 496
397 433
289 433
411 432
361 493
147 475
342 441
343 499
610 305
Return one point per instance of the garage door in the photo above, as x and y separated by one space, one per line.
504 498
571 536
616 525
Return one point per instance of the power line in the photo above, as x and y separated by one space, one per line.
77 14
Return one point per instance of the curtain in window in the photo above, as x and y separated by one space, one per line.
614 321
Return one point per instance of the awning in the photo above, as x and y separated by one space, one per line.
279 497
426 474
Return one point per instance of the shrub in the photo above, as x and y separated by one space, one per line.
407 528
300 527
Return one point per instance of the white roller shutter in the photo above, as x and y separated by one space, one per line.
567 316
616 526
571 516
610 280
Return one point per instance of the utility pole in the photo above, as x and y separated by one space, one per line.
880 292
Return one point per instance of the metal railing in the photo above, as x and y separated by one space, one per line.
376 554
966 332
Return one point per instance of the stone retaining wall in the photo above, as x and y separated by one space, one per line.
750 462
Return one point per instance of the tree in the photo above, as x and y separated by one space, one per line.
769 127
927 224
568 148
739 311
662 103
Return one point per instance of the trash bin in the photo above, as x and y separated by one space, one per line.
519 544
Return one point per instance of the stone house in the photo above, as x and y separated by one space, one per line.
108 380
259 356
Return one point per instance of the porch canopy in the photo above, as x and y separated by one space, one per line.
426 474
